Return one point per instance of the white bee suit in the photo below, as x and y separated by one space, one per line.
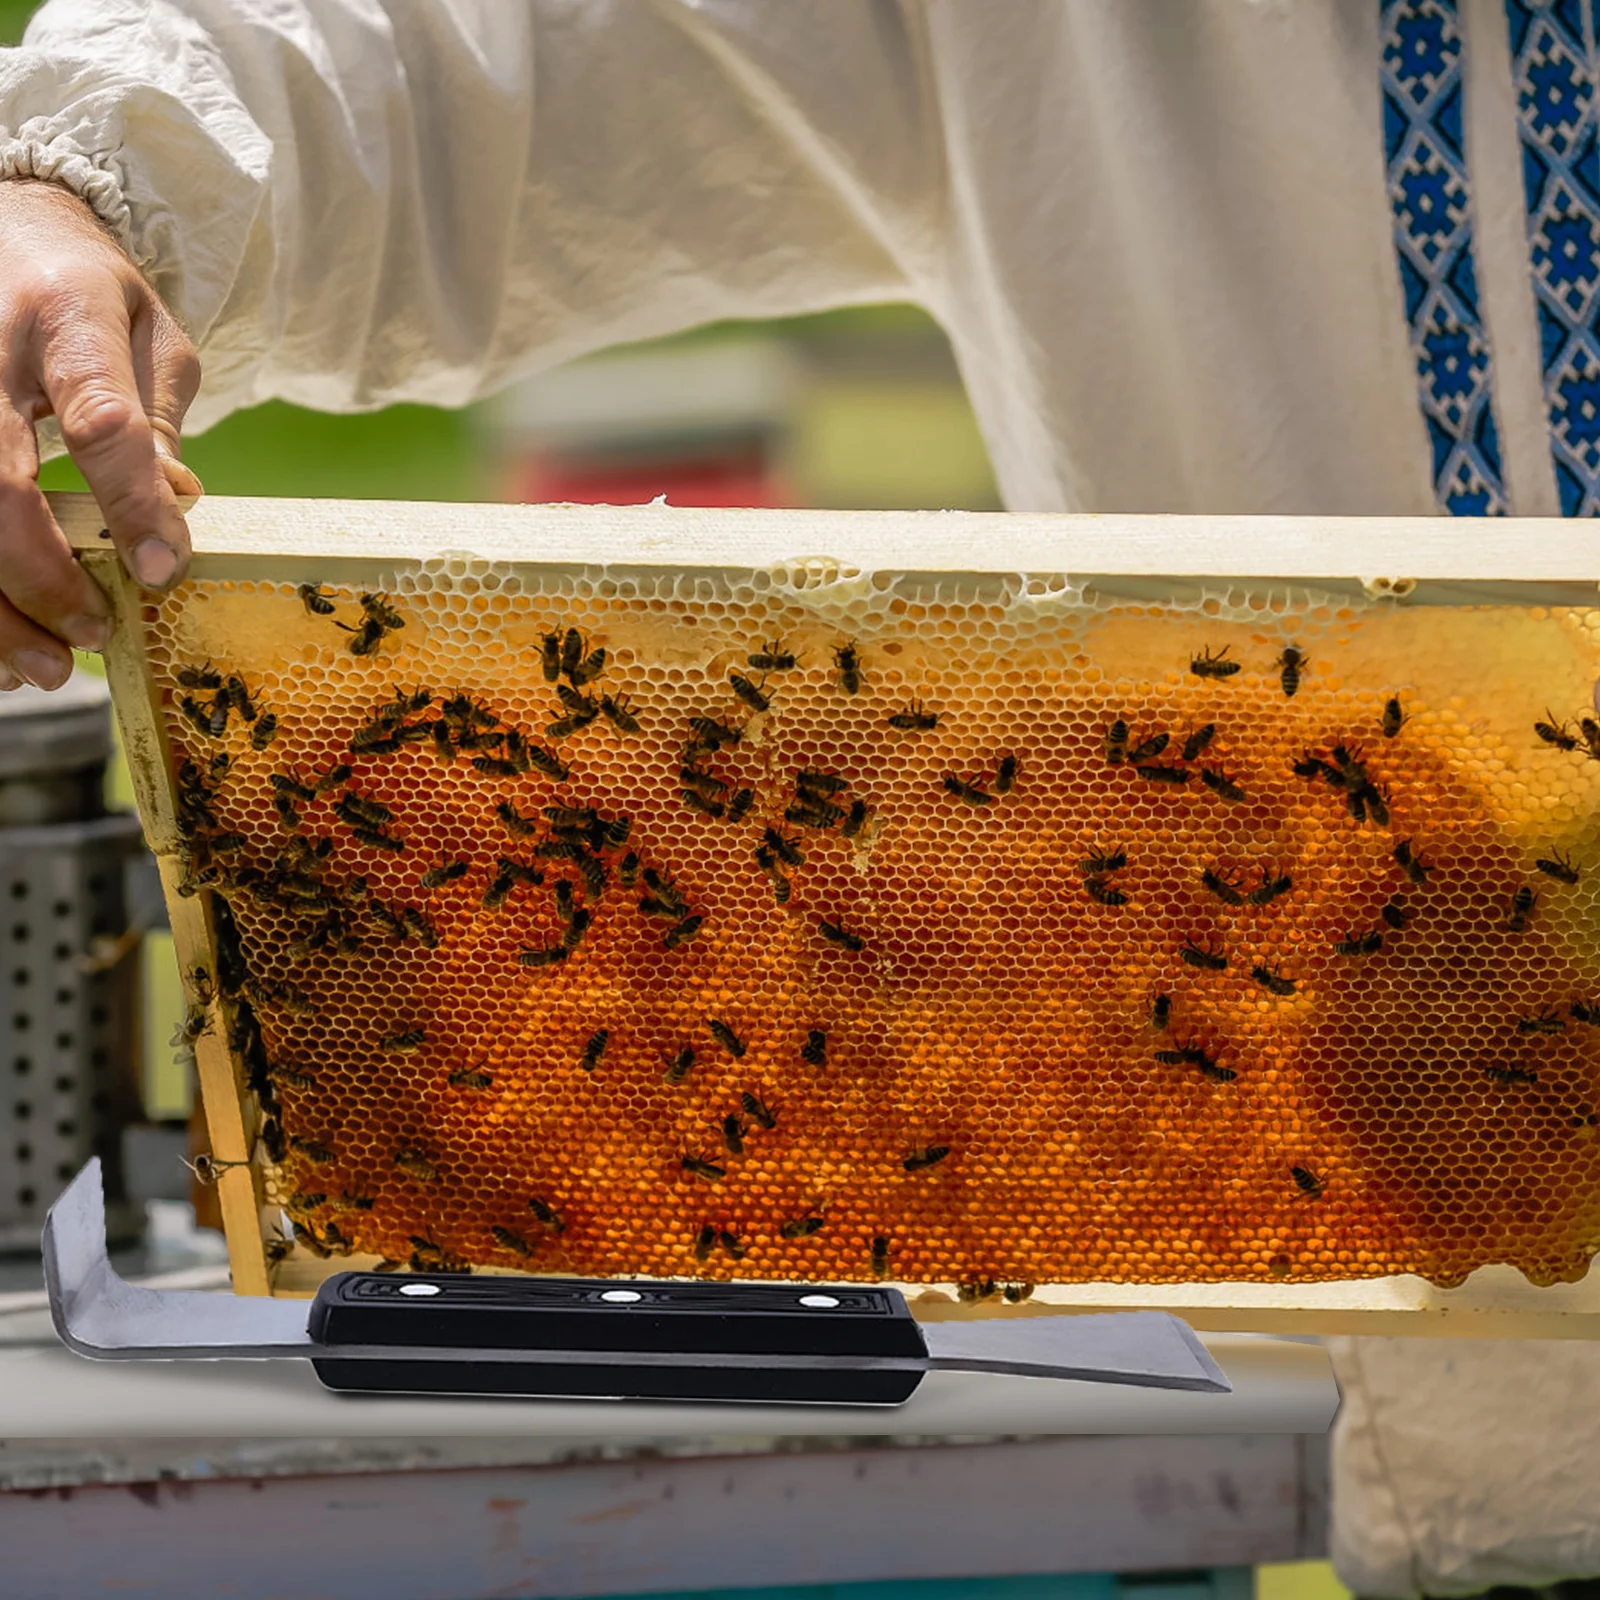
1161 237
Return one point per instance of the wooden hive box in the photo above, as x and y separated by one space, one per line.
1182 912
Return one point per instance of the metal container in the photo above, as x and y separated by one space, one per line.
69 972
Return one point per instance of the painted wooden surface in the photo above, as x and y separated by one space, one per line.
827 1516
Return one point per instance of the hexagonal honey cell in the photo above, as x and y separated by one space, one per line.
799 925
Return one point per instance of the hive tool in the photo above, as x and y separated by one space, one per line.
596 1338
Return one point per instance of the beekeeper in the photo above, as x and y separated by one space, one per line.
1209 256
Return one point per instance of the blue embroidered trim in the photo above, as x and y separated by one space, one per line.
1554 69
1429 195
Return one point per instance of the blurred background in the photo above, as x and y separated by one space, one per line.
855 409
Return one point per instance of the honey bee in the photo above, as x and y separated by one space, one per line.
928 1155
1117 743
1220 784
500 887
207 1169
1307 1182
287 811
206 677
589 668
1590 729
1016 1293
628 869
1312 767
305 1204
1271 981
981 1289
1160 774
783 847
550 656
507 1240
1556 733
1226 892
1394 718
595 876
714 733
733 1134
652 906
571 651
576 928
1106 862
1194 1056
701 1168
377 609
617 712
313 1150
274 1142
1556 866
834 934
1102 892
565 727
203 985
811 784
314 600
544 762
407 1042
515 823
705 1242
1161 1012
364 639
617 831
815 1049
1213 665
856 820
914 719
307 1236
278 1248
359 812
594 1049
962 790
727 1038
1269 889
416 1165
848 660
1291 664
1585 1011
1546 1022
1198 740
880 1256
469 1078
1203 957
683 933
1507 1077
758 1111
678 1068
817 813
204 720
750 693
495 766
704 783
1395 912
1005 775
377 839
548 956
698 802
546 1214
771 657
1411 864
448 872
1362 944
1150 748
800 1228
731 1243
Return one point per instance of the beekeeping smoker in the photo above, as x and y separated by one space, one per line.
1230 256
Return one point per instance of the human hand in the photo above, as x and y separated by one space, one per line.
85 339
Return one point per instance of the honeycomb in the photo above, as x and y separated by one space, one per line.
1079 956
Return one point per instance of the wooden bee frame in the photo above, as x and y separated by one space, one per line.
1215 566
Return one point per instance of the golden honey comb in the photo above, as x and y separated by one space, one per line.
1302 1114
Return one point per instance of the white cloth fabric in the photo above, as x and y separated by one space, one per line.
1159 239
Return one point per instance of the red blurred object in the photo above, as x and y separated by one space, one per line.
736 475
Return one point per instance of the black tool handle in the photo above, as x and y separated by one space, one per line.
697 1341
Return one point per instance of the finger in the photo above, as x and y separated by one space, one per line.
168 373
39 577
86 367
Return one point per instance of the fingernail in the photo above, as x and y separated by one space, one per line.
182 478
86 632
8 679
153 563
41 668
